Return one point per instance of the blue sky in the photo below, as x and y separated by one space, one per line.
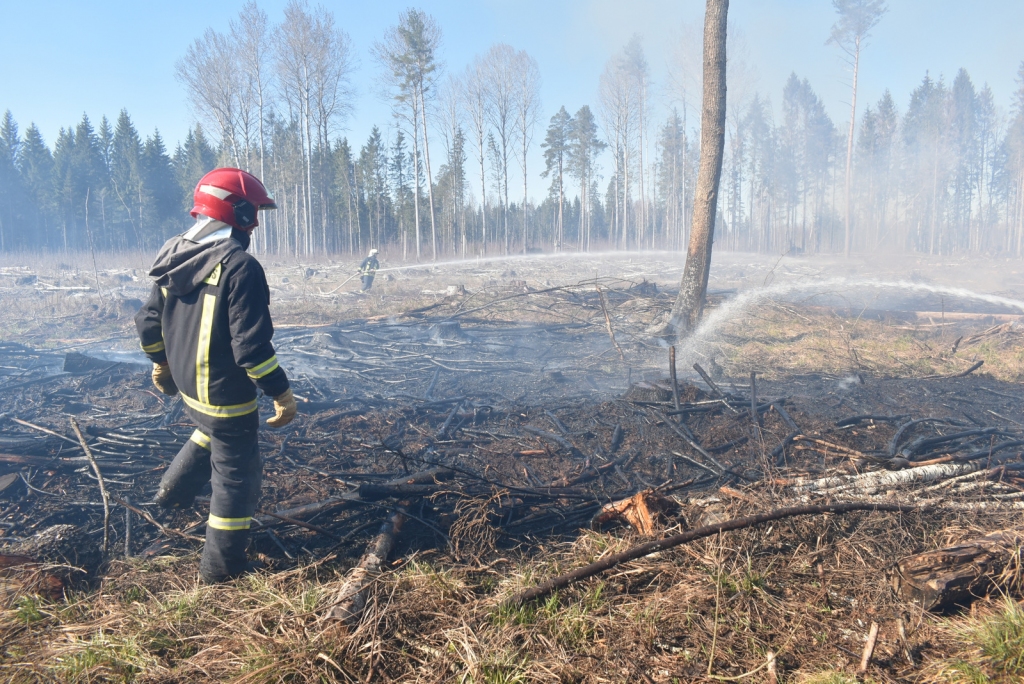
60 59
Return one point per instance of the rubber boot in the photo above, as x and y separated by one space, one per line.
187 475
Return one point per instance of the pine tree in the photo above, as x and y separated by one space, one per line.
584 147
105 140
987 147
1013 163
556 151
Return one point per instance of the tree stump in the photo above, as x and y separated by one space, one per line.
648 392
961 573
447 330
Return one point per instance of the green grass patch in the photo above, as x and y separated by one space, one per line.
27 610
1000 639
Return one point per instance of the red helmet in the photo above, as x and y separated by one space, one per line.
232 196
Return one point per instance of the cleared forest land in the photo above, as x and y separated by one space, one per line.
491 426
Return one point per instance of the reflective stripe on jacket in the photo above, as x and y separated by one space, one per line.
369 266
217 336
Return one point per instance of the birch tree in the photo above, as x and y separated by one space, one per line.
475 97
332 97
500 90
637 75
251 34
527 101
295 64
205 73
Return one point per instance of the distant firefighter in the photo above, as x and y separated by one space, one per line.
368 269
206 327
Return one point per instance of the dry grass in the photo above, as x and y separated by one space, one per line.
784 341
805 589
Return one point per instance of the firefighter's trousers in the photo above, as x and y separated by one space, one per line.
228 458
367 281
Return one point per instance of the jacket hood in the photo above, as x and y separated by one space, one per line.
182 265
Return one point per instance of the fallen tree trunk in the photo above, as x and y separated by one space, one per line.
351 600
960 573
647 549
869 483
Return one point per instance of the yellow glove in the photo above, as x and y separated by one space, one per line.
163 380
284 410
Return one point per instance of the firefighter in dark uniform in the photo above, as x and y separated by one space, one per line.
207 329
368 269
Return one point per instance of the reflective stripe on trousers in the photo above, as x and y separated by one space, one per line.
235 480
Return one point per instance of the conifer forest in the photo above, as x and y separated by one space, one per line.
448 176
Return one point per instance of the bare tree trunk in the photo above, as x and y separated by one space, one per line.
430 180
849 147
416 176
689 305
614 237
561 200
504 174
483 201
626 189
642 231
526 225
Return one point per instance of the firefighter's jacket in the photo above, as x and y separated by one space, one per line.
208 317
369 265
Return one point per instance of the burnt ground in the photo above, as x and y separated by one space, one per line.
517 392
509 426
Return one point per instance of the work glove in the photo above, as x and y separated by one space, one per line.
284 410
163 380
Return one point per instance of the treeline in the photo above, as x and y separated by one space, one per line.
449 174
944 177
102 188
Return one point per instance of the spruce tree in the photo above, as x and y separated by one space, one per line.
11 204
161 188
35 165
126 181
